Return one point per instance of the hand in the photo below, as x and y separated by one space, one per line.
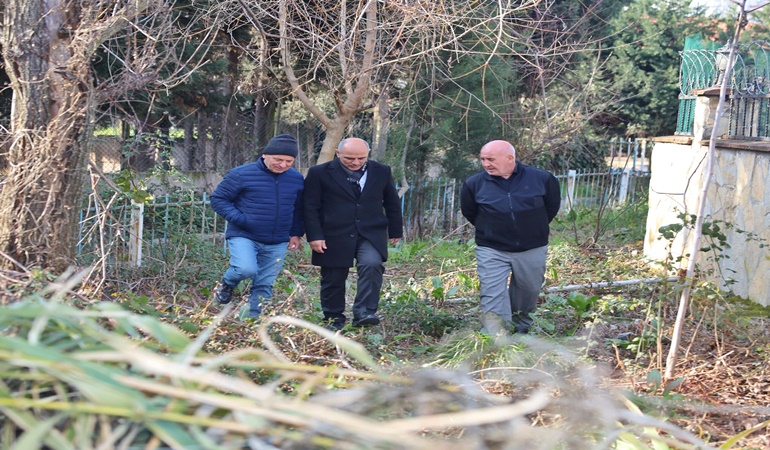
318 246
295 243
394 241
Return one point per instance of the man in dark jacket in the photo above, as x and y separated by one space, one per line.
262 203
511 205
351 210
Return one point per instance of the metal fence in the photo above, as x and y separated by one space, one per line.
611 188
750 92
432 207
165 230
749 83
205 145
697 71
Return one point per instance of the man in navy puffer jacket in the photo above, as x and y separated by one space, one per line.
262 203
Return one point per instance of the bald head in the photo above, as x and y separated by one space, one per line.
498 158
353 153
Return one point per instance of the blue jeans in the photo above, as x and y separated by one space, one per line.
260 262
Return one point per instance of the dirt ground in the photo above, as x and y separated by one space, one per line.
721 384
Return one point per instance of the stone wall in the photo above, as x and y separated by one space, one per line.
739 195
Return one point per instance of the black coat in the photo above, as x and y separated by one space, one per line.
511 215
334 214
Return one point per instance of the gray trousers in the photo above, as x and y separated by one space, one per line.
504 303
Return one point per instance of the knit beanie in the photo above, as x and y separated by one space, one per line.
283 144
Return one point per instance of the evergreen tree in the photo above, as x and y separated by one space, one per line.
209 105
470 111
645 62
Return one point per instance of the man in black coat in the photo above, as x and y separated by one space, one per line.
511 205
351 209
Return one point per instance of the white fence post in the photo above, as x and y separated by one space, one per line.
135 234
571 181
625 182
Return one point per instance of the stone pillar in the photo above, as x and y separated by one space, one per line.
705 110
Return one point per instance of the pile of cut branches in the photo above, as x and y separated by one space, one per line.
95 375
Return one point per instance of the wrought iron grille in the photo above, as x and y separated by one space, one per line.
750 92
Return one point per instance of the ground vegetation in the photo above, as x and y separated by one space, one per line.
149 359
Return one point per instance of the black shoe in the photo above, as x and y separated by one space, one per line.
369 319
335 325
223 292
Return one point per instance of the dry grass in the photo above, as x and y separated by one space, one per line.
284 382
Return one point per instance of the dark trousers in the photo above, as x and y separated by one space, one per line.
369 265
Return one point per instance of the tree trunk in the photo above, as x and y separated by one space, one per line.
208 154
381 127
352 91
264 100
190 147
140 156
233 140
335 132
40 199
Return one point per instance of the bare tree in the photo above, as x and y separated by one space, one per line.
48 50
355 48
558 50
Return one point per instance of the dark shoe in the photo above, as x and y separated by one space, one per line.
369 319
335 325
223 292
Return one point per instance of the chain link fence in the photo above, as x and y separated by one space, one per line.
210 145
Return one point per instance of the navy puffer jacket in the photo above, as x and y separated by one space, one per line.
260 205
